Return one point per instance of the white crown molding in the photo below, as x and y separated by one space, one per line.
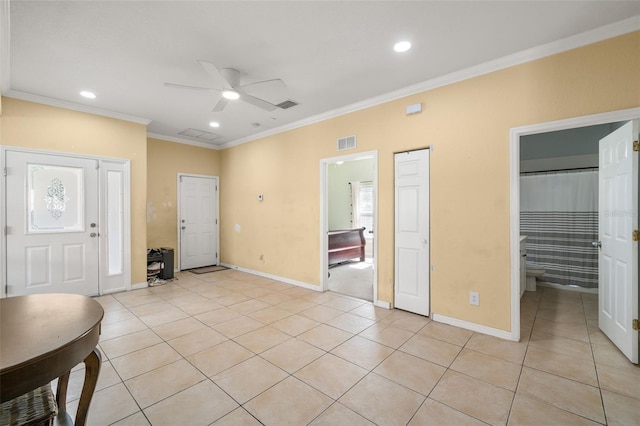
579 40
589 37
182 141
24 96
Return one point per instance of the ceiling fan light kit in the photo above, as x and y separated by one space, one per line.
232 95
228 85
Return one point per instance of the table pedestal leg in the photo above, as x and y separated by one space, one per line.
92 363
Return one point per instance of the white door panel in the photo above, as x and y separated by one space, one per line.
198 222
618 218
52 217
412 231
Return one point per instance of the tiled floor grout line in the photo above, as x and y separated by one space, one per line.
165 296
595 364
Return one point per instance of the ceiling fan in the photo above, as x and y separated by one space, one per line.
228 79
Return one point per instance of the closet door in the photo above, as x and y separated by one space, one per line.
412 231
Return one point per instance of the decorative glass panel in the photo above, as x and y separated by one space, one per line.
55 198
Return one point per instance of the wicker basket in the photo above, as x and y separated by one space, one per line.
35 408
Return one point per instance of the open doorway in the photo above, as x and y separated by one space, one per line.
564 238
348 237
559 207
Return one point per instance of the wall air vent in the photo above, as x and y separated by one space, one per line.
348 142
287 104
199 134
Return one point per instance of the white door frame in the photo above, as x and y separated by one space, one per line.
216 212
124 166
324 218
514 193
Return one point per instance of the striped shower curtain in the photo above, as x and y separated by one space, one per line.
559 214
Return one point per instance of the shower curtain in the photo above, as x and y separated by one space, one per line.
559 214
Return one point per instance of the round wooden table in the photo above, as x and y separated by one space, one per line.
42 337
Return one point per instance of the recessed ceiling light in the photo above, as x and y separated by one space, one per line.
87 94
402 46
230 94
214 124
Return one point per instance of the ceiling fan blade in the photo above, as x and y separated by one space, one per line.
276 82
268 106
222 103
200 89
215 73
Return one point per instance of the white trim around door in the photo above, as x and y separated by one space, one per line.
216 215
514 193
324 219
113 229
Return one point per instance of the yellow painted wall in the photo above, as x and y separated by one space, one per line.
36 126
468 124
164 161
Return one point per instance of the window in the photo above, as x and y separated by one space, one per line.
362 206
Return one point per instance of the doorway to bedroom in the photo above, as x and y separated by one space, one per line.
350 217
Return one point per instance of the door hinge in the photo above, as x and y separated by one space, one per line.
216 255
636 235
636 324
636 146
4 171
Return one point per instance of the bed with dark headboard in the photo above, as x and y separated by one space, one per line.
346 244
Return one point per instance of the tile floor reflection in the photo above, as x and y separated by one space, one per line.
230 348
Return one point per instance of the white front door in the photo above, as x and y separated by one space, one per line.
52 224
618 258
198 221
412 231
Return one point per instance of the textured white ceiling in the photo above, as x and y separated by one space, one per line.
331 55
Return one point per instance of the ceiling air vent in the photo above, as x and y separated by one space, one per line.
199 134
348 142
287 104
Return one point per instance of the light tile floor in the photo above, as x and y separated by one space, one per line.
229 348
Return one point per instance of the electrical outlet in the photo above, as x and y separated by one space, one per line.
474 298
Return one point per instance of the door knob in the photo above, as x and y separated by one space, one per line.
93 235
183 227
597 244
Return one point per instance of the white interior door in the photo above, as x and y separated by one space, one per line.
52 224
412 231
618 258
198 221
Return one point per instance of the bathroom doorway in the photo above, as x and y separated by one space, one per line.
566 150
348 226
559 205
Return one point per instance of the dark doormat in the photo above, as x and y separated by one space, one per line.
207 269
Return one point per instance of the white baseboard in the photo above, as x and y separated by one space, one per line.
138 286
495 332
568 287
272 277
379 303
382 304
